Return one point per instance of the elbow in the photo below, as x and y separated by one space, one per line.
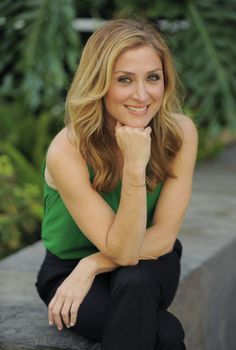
126 259
122 260
170 249
127 262
119 257
171 246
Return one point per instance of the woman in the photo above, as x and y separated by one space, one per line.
118 181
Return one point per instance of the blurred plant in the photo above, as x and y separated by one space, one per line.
20 208
39 52
103 9
39 49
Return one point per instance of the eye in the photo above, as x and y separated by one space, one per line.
124 79
153 77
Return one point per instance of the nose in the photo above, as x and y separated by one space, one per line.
140 92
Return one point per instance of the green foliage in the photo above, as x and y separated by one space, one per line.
40 48
39 54
208 77
27 133
20 208
210 146
25 170
97 9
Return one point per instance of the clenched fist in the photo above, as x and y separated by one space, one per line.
135 144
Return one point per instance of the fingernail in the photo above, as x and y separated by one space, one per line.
50 323
72 324
68 326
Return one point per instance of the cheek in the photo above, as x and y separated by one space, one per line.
116 95
108 100
159 92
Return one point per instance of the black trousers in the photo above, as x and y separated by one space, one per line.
125 308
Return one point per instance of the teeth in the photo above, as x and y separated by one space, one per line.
136 109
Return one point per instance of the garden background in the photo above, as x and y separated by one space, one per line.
41 43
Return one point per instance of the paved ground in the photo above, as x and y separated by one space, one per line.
208 236
208 286
211 217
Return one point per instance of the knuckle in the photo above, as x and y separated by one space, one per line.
73 312
61 294
70 296
55 313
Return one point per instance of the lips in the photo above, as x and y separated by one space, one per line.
137 108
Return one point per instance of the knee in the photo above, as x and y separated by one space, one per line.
174 340
131 277
171 332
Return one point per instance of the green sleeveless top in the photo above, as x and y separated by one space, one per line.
60 233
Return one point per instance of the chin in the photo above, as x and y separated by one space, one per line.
138 124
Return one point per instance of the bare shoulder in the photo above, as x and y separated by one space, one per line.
62 153
186 156
62 141
63 146
188 128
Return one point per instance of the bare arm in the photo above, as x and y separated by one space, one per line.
171 206
128 229
119 236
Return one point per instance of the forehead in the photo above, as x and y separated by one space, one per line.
140 57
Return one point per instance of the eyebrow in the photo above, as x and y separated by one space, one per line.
131 73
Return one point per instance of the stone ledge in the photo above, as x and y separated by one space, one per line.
202 303
26 325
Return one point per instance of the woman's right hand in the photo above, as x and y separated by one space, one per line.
135 144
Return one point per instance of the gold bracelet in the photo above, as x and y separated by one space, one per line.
136 185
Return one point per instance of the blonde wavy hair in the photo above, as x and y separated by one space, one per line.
85 115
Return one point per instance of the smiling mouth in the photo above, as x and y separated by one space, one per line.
137 109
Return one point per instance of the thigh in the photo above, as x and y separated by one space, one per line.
92 311
165 272
52 273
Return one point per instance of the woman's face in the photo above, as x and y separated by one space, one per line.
137 88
